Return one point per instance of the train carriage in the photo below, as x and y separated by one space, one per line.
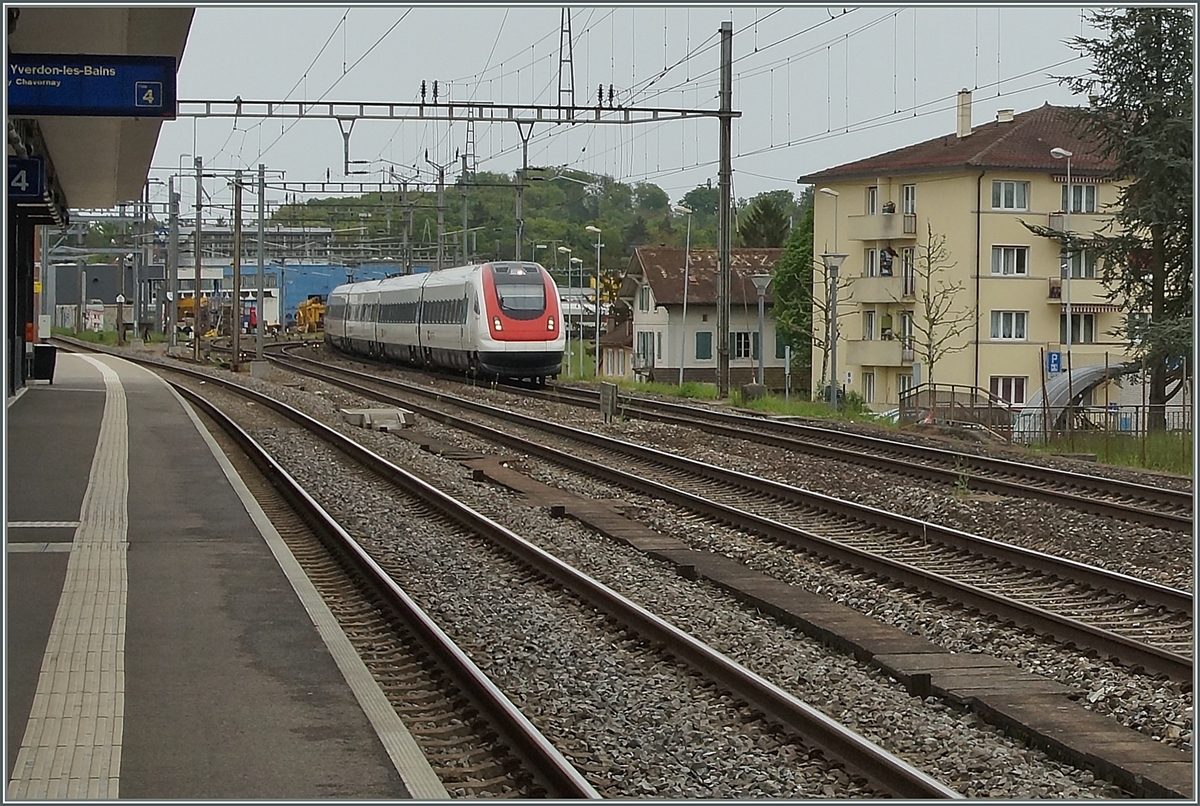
493 320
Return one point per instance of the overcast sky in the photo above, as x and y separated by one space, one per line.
816 86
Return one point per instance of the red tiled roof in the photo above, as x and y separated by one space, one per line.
663 269
1023 143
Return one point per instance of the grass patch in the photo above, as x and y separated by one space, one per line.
1167 452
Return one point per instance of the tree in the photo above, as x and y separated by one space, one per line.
764 223
703 200
1140 109
792 289
937 326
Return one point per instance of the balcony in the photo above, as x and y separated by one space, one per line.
883 227
1055 292
1081 223
872 290
879 353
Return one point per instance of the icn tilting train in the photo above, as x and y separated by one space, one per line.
498 320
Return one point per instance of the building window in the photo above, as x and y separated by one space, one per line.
740 345
644 298
908 199
1008 389
780 347
872 200
904 382
645 346
703 345
1082 197
1083 265
868 383
868 326
1009 325
1012 260
1010 195
908 268
870 263
658 345
1083 328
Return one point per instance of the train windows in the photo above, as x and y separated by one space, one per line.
520 298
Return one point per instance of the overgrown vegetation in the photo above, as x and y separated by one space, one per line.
1163 451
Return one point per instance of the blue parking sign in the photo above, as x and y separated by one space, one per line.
1053 362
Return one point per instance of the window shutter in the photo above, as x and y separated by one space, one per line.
754 345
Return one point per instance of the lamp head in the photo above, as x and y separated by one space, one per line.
830 192
1059 153
679 208
833 261
565 250
539 246
592 229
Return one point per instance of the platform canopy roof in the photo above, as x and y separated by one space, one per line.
93 162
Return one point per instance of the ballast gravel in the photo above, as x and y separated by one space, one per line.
956 747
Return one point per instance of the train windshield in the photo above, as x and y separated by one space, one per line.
521 295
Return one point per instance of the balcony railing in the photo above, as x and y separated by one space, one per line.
881 227
872 290
879 353
1055 288
1081 223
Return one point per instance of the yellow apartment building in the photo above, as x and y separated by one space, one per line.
973 187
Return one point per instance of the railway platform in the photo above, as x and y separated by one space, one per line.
161 642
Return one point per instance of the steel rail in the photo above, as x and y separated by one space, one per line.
884 769
542 758
983 473
1064 629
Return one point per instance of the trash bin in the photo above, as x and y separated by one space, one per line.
44 356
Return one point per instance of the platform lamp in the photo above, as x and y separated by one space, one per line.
597 336
1058 154
833 261
761 281
687 261
566 250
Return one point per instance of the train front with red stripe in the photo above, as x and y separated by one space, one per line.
493 320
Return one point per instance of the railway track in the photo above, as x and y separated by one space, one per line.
886 774
1138 623
1104 760
1158 507
476 741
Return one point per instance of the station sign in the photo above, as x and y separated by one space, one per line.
26 178
84 85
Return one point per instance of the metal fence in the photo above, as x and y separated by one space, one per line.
1133 420
960 406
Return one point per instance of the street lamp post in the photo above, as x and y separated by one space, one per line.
1060 153
687 261
597 300
761 281
833 262
831 298
566 250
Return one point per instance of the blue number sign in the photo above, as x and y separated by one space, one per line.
102 85
26 178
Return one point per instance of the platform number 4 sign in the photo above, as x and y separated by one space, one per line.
148 93
26 178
